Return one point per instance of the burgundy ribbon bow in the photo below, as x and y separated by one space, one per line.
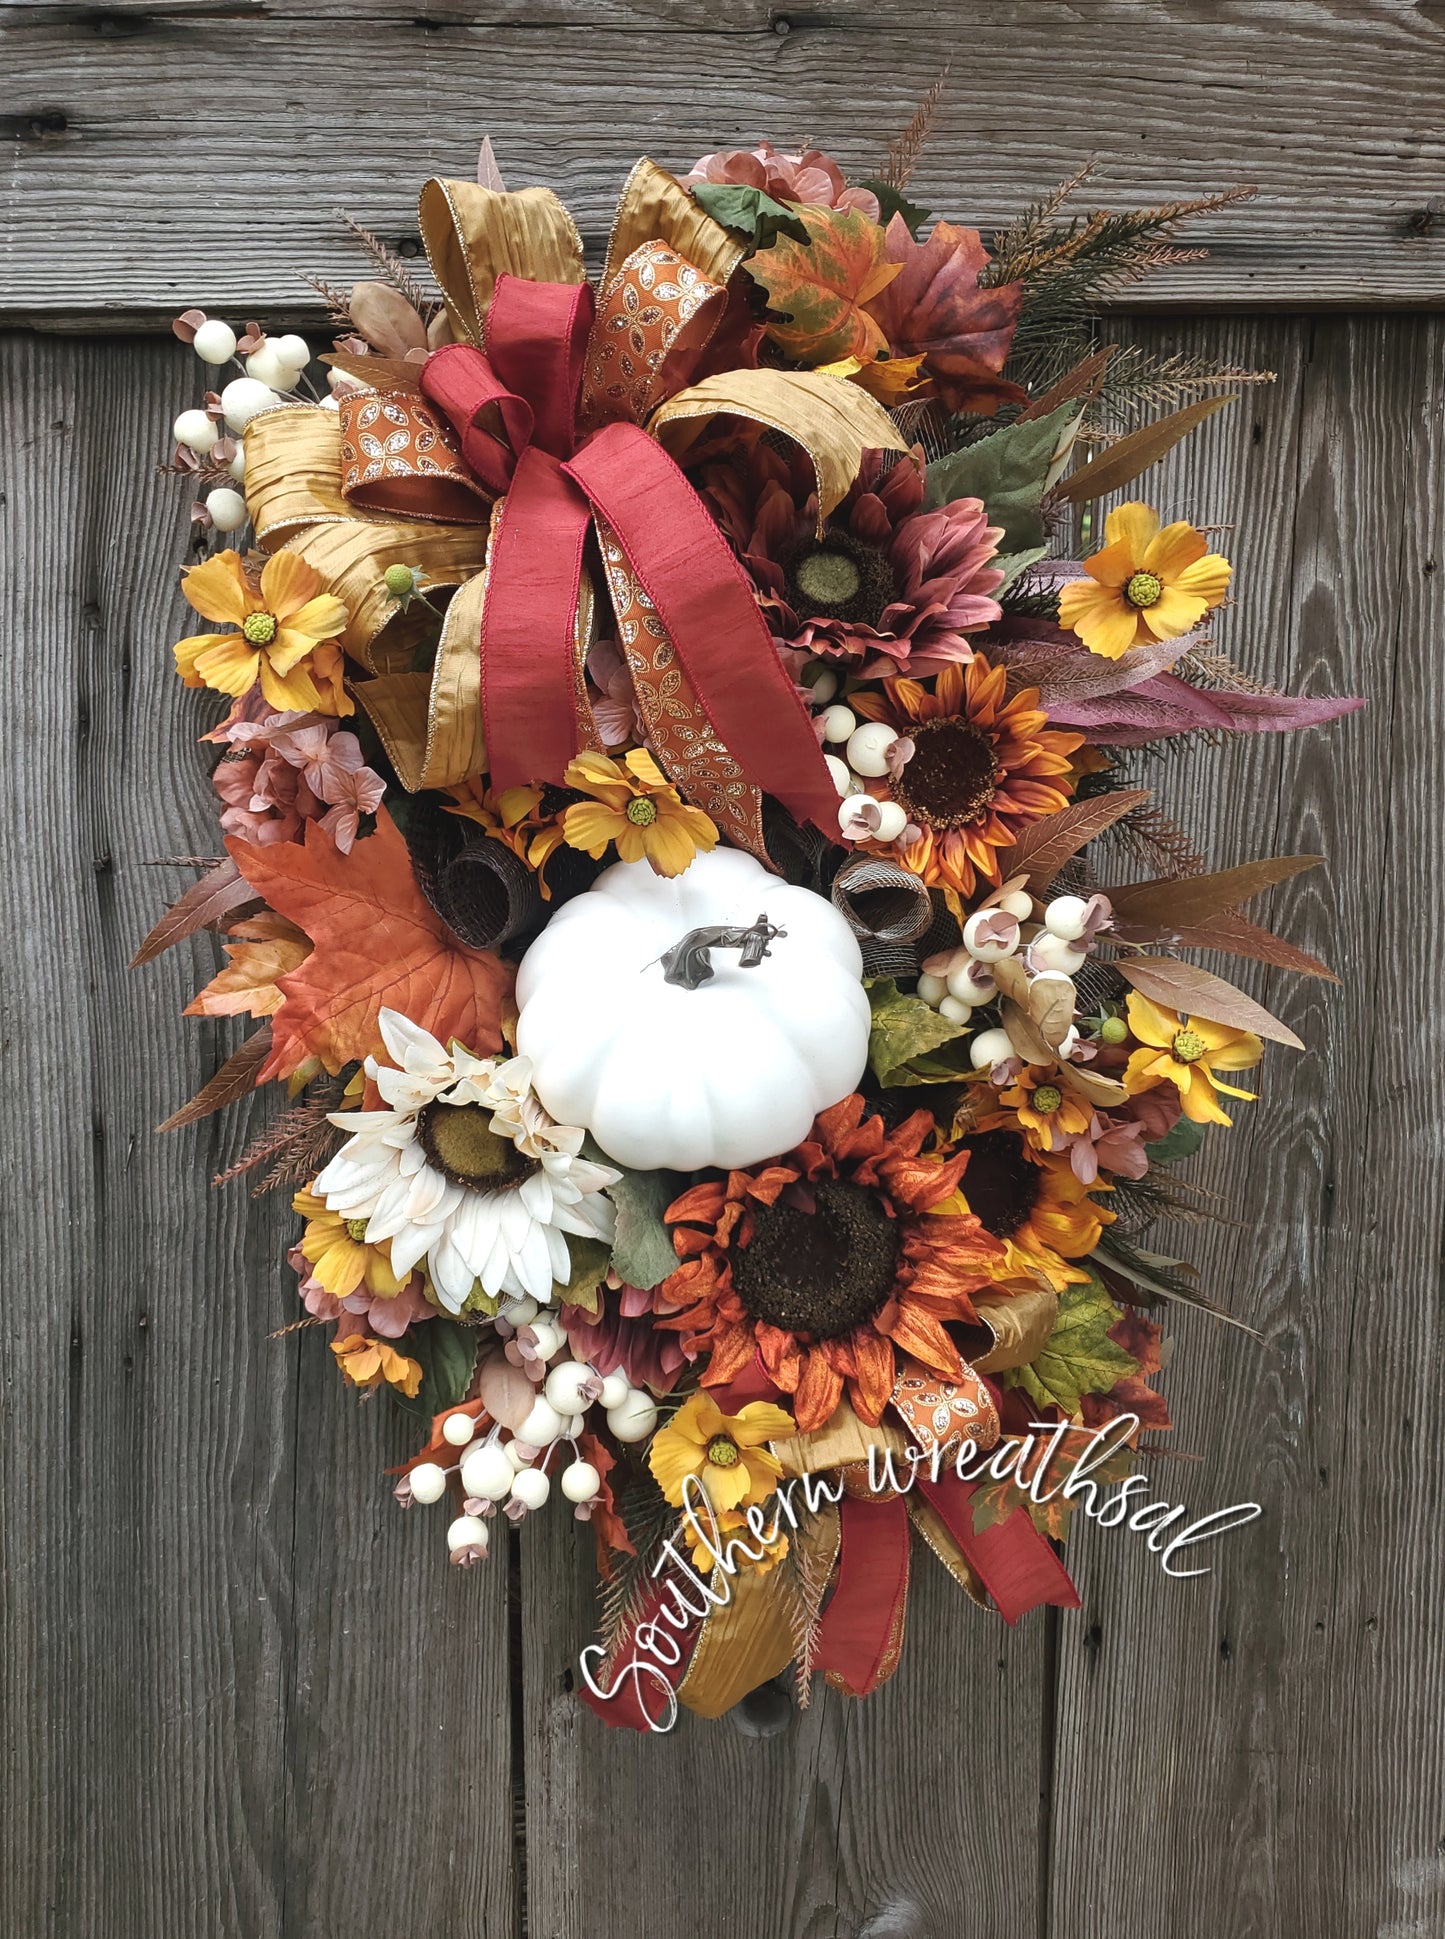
555 481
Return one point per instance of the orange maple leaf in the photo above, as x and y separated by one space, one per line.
262 948
378 944
822 285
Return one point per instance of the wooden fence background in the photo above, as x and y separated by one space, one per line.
244 1697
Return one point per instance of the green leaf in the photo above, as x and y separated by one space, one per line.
1007 471
1013 564
1182 1142
590 1260
447 1355
905 1030
642 1252
757 215
892 202
1078 1357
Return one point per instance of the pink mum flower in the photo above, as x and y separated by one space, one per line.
810 177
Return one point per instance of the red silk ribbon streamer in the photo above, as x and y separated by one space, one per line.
514 409
1011 1559
862 1628
633 1697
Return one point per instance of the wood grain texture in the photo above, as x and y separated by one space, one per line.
1248 1752
177 153
213 1721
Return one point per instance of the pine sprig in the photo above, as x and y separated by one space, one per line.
1156 842
338 301
391 268
1137 383
297 1144
903 155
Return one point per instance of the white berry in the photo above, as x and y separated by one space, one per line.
580 1481
520 1454
615 1389
428 1482
214 342
634 1419
548 1338
838 723
292 350
458 1429
823 686
487 1472
891 821
564 1386
990 1047
1018 902
1050 952
839 770
519 1312
1066 917
868 747
971 983
467 1532
530 1487
227 509
955 1011
237 466
932 989
242 398
543 1425
196 431
991 935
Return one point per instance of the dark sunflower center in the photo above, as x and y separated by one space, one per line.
951 779
822 1272
1001 1186
839 577
459 1141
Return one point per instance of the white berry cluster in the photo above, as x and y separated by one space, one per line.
860 754
1050 952
508 1469
271 372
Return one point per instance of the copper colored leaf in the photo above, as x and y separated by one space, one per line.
503 1389
1123 462
378 945
219 890
1092 1084
383 373
384 317
1194 992
1235 935
1044 846
1024 1034
1040 654
934 304
1178 902
238 1075
820 287
1079 384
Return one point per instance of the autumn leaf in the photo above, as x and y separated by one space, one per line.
261 951
378 944
1145 909
219 890
819 287
239 1074
933 304
1045 845
1196 992
1078 1357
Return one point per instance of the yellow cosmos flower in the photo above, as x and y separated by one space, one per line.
517 818
634 806
725 1452
284 634
1044 1108
732 1528
1189 1053
366 1362
1146 584
338 1255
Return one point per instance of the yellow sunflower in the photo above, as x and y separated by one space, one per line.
634 806
1146 584
1033 1204
1189 1053
725 1452
338 1255
284 637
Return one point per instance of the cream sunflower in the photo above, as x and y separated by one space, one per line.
466 1171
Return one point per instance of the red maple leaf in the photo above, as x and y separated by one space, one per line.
377 944
934 306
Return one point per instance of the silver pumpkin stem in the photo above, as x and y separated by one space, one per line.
688 963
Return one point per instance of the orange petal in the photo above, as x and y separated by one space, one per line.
287 582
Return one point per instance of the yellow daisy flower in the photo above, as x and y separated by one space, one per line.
634 806
1146 584
725 1452
283 639
338 1255
1189 1053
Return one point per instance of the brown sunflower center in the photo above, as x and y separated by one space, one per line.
952 776
722 1451
839 577
459 1141
1001 1186
1144 589
822 1272
259 629
641 812
1189 1046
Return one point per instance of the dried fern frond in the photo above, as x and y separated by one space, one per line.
903 155
1156 842
338 301
808 1581
649 1519
1137 383
392 269
1204 667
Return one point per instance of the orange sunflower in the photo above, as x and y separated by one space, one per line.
829 1265
1032 1204
982 767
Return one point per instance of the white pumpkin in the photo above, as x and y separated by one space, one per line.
726 1073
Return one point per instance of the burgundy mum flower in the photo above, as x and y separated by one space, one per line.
888 587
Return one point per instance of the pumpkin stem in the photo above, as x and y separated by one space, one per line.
689 964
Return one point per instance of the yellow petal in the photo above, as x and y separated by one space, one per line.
1172 613
1105 622
1201 1106
217 589
726 1487
287 582
188 651
230 666
1114 565
287 649
672 1459
1150 1024
321 618
1134 524
296 692
1242 1054
761 1421
667 845
1176 547
643 768
590 825
1207 579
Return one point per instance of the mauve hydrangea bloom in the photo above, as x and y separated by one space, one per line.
289 769
889 587
811 177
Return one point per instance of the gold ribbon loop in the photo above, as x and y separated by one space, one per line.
474 235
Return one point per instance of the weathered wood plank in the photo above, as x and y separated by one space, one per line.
1245 1752
877 1819
243 1694
176 154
